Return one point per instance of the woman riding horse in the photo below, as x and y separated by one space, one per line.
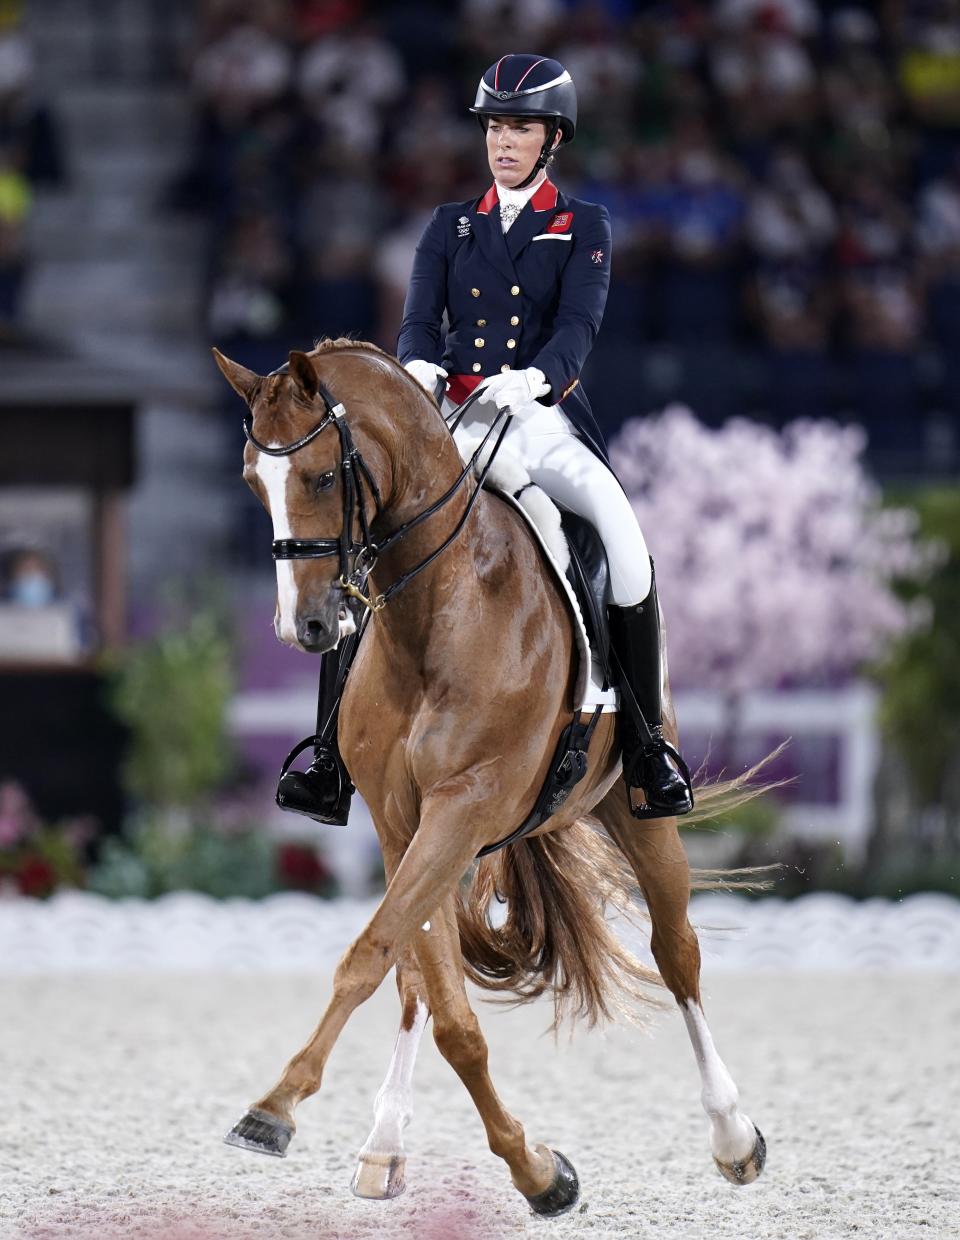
451 747
522 275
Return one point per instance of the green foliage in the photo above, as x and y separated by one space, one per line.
120 873
172 692
921 681
156 859
902 876
756 819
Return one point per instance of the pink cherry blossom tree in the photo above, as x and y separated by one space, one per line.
775 556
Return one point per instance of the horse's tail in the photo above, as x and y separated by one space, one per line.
555 891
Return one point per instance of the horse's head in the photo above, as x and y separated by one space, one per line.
303 492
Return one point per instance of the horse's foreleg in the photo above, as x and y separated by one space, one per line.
381 1163
438 855
657 857
544 1176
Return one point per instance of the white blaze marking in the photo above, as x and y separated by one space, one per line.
273 472
393 1108
732 1135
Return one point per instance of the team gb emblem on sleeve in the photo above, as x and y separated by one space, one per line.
463 226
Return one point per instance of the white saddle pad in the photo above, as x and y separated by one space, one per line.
510 480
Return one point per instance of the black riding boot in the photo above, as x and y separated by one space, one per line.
324 789
650 763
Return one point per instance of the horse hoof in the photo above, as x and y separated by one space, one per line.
380 1176
747 1171
562 1195
262 1132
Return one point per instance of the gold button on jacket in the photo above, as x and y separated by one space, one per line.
515 291
504 368
511 343
479 342
475 292
481 322
476 368
515 321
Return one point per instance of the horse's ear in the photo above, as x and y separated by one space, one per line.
303 374
242 381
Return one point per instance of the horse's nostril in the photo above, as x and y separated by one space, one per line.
317 631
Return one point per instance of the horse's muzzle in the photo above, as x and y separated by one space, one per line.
318 628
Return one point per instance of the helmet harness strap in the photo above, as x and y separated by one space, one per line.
545 152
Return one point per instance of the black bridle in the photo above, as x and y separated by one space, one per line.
357 559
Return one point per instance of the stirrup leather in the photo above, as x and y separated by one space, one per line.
323 791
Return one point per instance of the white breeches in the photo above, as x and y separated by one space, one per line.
543 438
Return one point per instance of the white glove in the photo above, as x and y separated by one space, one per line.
516 388
427 374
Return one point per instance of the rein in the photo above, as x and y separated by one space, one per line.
357 559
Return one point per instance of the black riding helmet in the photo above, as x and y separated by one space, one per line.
521 84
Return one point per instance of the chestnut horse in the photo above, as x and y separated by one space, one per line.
451 716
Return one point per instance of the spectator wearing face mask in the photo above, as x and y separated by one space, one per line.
37 619
31 579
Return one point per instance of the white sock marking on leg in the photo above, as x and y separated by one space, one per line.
393 1108
732 1135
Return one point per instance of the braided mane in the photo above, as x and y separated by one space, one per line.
328 344
336 344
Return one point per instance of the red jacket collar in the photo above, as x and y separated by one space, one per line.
545 199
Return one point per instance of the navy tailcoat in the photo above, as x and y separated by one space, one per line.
533 296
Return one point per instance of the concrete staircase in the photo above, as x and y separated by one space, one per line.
118 278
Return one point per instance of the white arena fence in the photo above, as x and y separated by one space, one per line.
76 932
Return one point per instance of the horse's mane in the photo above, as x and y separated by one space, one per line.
334 344
327 344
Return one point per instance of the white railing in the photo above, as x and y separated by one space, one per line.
847 714
80 933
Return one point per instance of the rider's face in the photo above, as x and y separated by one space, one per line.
513 144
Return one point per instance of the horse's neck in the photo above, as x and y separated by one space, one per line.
426 465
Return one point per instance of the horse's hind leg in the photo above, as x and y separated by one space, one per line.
381 1163
656 854
543 1176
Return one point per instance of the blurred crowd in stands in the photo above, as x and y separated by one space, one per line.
783 178
30 156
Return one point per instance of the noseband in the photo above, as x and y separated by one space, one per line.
357 559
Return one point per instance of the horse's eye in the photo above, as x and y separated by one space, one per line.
325 481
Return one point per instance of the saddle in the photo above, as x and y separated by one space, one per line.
589 574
